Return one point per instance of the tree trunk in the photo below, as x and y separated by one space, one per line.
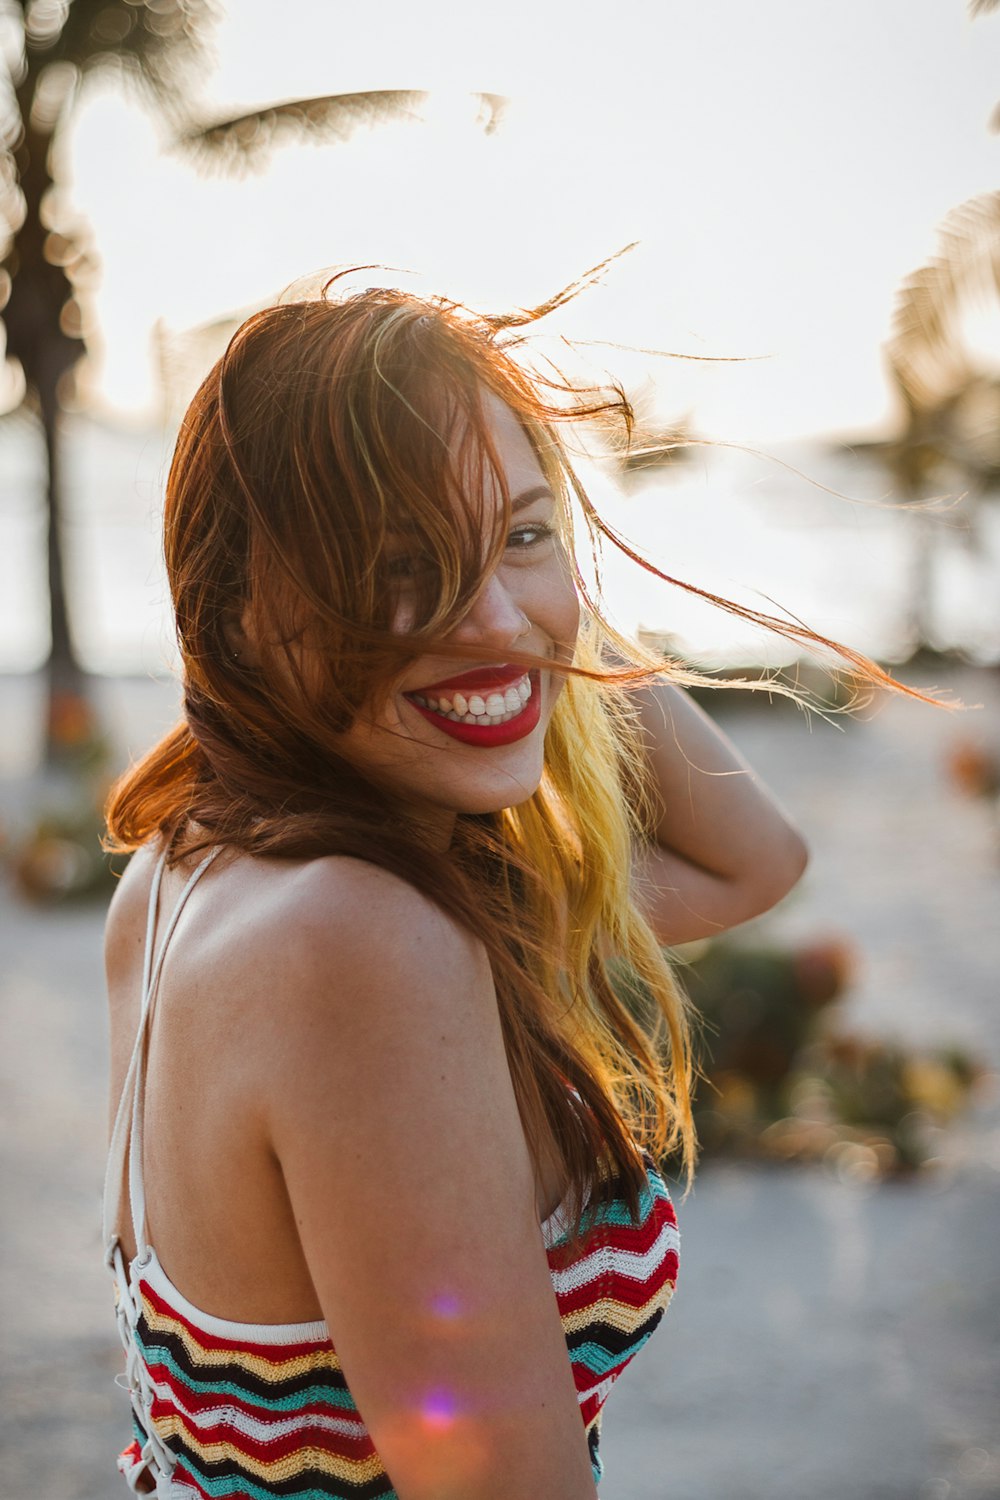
40 290
69 716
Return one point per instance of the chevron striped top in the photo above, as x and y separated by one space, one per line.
231 1409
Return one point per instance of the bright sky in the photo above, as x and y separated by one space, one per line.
783 165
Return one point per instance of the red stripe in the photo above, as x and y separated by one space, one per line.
356 1449
634 1294
595 1267
273 1353
636 1238
183 1475
589 1409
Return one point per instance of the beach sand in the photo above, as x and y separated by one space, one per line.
829 1338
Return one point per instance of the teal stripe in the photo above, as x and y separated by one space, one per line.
599 1360
617 1213
323 1394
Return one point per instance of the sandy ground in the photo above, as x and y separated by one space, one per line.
828 1338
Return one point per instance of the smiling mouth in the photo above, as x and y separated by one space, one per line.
484 708
487 718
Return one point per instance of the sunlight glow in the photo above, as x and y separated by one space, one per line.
749 230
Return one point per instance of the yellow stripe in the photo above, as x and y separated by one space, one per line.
351 1471
274 1370
619 1315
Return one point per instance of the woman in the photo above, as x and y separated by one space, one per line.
383 1115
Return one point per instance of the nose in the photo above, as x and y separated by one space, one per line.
495 616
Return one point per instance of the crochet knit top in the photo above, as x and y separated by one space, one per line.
231 1409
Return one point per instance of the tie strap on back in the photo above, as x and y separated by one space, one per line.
126 1136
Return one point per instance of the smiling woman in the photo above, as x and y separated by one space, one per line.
526 603
381 1112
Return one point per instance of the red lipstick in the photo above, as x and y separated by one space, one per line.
487 736
478 680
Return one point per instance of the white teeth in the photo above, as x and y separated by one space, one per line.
495 708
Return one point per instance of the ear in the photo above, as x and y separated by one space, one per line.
238 630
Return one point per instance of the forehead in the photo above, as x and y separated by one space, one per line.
519 463
489 453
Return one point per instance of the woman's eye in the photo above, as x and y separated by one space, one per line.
406 565
531 534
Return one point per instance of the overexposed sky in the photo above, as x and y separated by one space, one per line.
783 166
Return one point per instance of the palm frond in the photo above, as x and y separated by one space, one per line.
245 141
982 7
928 351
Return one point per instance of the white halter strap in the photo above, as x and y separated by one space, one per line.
126 1137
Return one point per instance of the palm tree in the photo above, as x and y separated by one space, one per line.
948 383
50 51
946 380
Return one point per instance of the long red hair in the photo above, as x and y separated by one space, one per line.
326 425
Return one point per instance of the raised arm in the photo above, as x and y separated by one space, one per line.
721 850
393 1117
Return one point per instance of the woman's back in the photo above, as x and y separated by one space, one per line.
217 1206
267 1029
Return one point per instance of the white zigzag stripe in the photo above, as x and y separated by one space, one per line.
606 1259
261 1430
600 1390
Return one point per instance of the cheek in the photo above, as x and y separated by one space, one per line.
564 613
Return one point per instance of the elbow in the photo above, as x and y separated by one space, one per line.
782 867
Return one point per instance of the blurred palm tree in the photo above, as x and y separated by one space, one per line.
944 352
50 52
943 360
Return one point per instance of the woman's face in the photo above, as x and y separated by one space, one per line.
454 737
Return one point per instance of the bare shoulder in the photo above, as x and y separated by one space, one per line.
335 962
350 900
346 919
124 932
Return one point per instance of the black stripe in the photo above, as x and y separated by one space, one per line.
321 1379
612 1339
306 1484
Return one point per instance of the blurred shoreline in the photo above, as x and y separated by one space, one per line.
810 529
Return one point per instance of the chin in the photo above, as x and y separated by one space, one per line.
505 791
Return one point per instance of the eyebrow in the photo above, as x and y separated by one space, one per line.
528 497
403 528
